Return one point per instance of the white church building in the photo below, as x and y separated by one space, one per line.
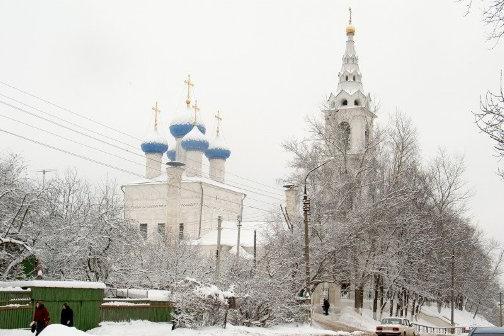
184 191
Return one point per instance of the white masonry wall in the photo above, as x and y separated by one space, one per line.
146 203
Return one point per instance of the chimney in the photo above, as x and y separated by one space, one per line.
174 171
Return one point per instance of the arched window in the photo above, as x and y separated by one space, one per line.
354 78
344 102
346 78
344 135
356 102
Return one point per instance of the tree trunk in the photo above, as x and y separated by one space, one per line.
359 297
391 312
375 299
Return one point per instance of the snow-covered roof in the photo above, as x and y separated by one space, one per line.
162 179
13 289
56 284
243 253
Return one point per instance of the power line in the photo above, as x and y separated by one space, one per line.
114 167
108 143
101 124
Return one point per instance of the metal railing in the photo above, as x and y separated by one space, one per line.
420 328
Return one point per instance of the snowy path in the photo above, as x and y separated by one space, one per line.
145 328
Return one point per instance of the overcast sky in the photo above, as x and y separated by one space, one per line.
266 65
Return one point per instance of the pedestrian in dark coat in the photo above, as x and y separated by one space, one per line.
66 315
40 317
326 306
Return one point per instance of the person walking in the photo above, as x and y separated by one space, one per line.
66 315
40 318
326 306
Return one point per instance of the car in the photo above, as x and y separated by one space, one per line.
487 331
395 326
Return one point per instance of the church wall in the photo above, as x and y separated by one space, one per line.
146 204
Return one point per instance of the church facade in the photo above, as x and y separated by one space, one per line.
184 191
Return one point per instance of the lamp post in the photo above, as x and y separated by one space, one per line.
306 210
452 289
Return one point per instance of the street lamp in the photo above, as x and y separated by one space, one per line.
452 289
306 210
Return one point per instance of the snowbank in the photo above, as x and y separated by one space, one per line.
57 284
143 328
61 330
463 318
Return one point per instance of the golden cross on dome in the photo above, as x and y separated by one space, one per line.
218 117
189 84
350 15
196 110
156 110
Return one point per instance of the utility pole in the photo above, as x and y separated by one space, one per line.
44 172
218 252
500 309
255 247
239 224
452 290
306 210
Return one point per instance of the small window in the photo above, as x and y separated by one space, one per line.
181 231
356 102
143 230
346 78
366 136
344 102
161 229
354 78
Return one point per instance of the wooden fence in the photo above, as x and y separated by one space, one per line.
16 310
128 310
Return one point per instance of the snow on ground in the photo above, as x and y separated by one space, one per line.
462 318
351 318
365 321
146 328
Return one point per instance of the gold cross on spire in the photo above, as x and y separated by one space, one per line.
350 15
156 110
196 110
219 120
189 84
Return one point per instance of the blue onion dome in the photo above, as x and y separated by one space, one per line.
183 122
195 140
218 149
154 143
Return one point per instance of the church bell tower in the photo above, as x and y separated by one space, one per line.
348 118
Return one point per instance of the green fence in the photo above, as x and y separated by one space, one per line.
15 309
128 310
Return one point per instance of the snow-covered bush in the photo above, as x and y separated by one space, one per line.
198 305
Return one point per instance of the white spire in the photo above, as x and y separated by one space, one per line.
350 77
